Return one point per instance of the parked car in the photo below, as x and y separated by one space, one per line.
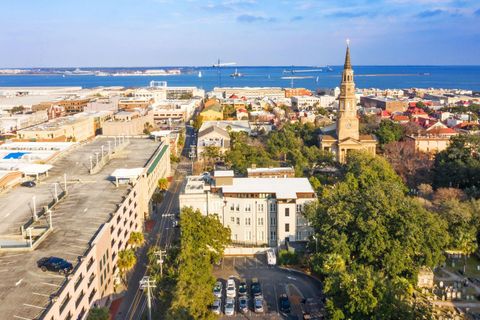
28 184
242 288
258 304
231 289
271 257
284 303
255 288
55 264
243 304
230 307
217 306
217 289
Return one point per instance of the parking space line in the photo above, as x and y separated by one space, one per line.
51 284
275 296
18 317
33 306
41 294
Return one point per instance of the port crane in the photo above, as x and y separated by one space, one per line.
219 65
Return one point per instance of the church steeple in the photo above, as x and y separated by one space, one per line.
347 122
348 64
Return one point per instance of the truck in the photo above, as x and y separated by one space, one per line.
271 257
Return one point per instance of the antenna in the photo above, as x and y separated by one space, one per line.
348 42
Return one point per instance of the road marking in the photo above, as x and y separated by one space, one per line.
18 282
275 297
33 306
85 210
18 317
291 278
7 214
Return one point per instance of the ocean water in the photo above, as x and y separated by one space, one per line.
461 77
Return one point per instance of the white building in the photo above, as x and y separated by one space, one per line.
20 121
311 101
258 211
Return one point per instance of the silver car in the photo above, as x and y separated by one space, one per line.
217 306
258 304
230 307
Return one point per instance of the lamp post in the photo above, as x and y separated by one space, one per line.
316 243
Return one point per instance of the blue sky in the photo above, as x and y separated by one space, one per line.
249 32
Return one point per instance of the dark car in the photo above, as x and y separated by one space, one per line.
256 288
55 264
284 303
242 288
243 304
29 184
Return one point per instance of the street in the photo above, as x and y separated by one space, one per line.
134 301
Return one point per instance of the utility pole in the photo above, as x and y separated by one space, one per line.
159 254
146 283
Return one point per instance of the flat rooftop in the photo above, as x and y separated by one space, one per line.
284 188
25 289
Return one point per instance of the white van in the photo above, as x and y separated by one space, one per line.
271 257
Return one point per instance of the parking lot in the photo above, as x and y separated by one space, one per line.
274 281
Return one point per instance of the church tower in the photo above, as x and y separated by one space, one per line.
347 124
347 136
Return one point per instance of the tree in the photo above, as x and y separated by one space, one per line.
210 154
379 234
162 184
136 239
98 314
412 166
197 122
389 131
459 165
126 261
202 242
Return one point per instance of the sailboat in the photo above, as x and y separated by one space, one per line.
236 74
199 74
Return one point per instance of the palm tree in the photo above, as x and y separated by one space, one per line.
162 184
126 261
136 239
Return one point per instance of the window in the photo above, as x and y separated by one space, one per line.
260 235
299 208
260 221
273 221
248 208
232 207
238 207
248 221
260 207
287 212
272 235
238 221
287 227
248 235
273 207
64 303
232 219
78 281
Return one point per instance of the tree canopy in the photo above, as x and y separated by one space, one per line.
459 165
389 131
188 281
372 239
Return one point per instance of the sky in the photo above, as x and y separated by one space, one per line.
115 33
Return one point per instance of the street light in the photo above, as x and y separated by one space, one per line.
316 243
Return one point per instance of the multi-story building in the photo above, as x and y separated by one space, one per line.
128 104
91 225
212 136
292 92
73 128
384 103
258 211
250 92
281 172
126 123
73 105
303 102
19 121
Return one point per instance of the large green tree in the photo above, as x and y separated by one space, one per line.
377 238
459 165
188 281
389 131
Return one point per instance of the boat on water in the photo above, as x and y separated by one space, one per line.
236 74
79 72
199 74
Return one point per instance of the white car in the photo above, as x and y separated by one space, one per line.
217 306
258 304
230 307
231 289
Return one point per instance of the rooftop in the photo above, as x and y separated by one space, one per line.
283 188
25 289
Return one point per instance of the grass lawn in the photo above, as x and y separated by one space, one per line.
471 270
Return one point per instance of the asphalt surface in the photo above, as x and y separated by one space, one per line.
134 303
274 281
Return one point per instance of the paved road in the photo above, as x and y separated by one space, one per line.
134 302
275 281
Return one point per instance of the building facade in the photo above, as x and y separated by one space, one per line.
258 211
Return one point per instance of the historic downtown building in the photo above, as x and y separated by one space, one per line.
347 136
